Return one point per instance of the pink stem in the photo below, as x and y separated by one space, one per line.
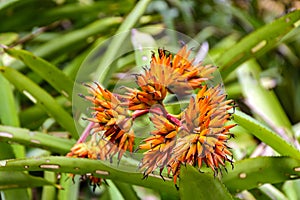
170 117
139 113
85 133
173 119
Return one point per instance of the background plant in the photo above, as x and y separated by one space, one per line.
255 44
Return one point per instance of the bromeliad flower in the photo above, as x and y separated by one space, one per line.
195 136
159 146
111 120
176 75
194 75
92 149
203 133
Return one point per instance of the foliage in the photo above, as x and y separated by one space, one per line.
48 48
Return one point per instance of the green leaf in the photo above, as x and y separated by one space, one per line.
21 180
35 139
103 72
7 104
196 185
55 77
72 41
247 174
262 101
40 97
252 173
257 43
8 3
123 172
33 117
8 38
113 191
71 189
49 192
266 135
292 189
143 45
272 192
126 190
75 39
9 116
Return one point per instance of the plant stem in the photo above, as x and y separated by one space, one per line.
86 132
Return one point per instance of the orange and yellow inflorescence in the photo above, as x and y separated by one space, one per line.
195 136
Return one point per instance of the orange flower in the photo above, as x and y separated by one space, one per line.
178 75
91 149
159 146
203 134
193 74
197 135
111 117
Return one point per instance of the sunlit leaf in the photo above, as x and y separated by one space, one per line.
35 139
266 135
96 167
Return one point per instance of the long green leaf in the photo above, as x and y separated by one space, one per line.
9 116
73 39
126 190
35 139
266 135
252 173
55 77
96 167
21 180
8 110
247 174
34 116
257 43
113 191
49 192
104 71
144 44
71 189
8 3
196 185
40 97
262 101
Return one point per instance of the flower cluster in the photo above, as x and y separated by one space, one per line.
195 136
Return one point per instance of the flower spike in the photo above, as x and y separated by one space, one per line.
197 135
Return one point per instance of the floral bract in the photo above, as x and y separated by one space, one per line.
195 136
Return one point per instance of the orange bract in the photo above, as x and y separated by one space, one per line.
112 120
92 149
201 137
178 75
204 133
159 146
197 135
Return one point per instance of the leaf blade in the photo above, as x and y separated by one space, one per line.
191 182
40 97
251 173
257 43
266 135
55 77
35 139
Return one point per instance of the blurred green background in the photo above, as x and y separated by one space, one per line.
255 44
